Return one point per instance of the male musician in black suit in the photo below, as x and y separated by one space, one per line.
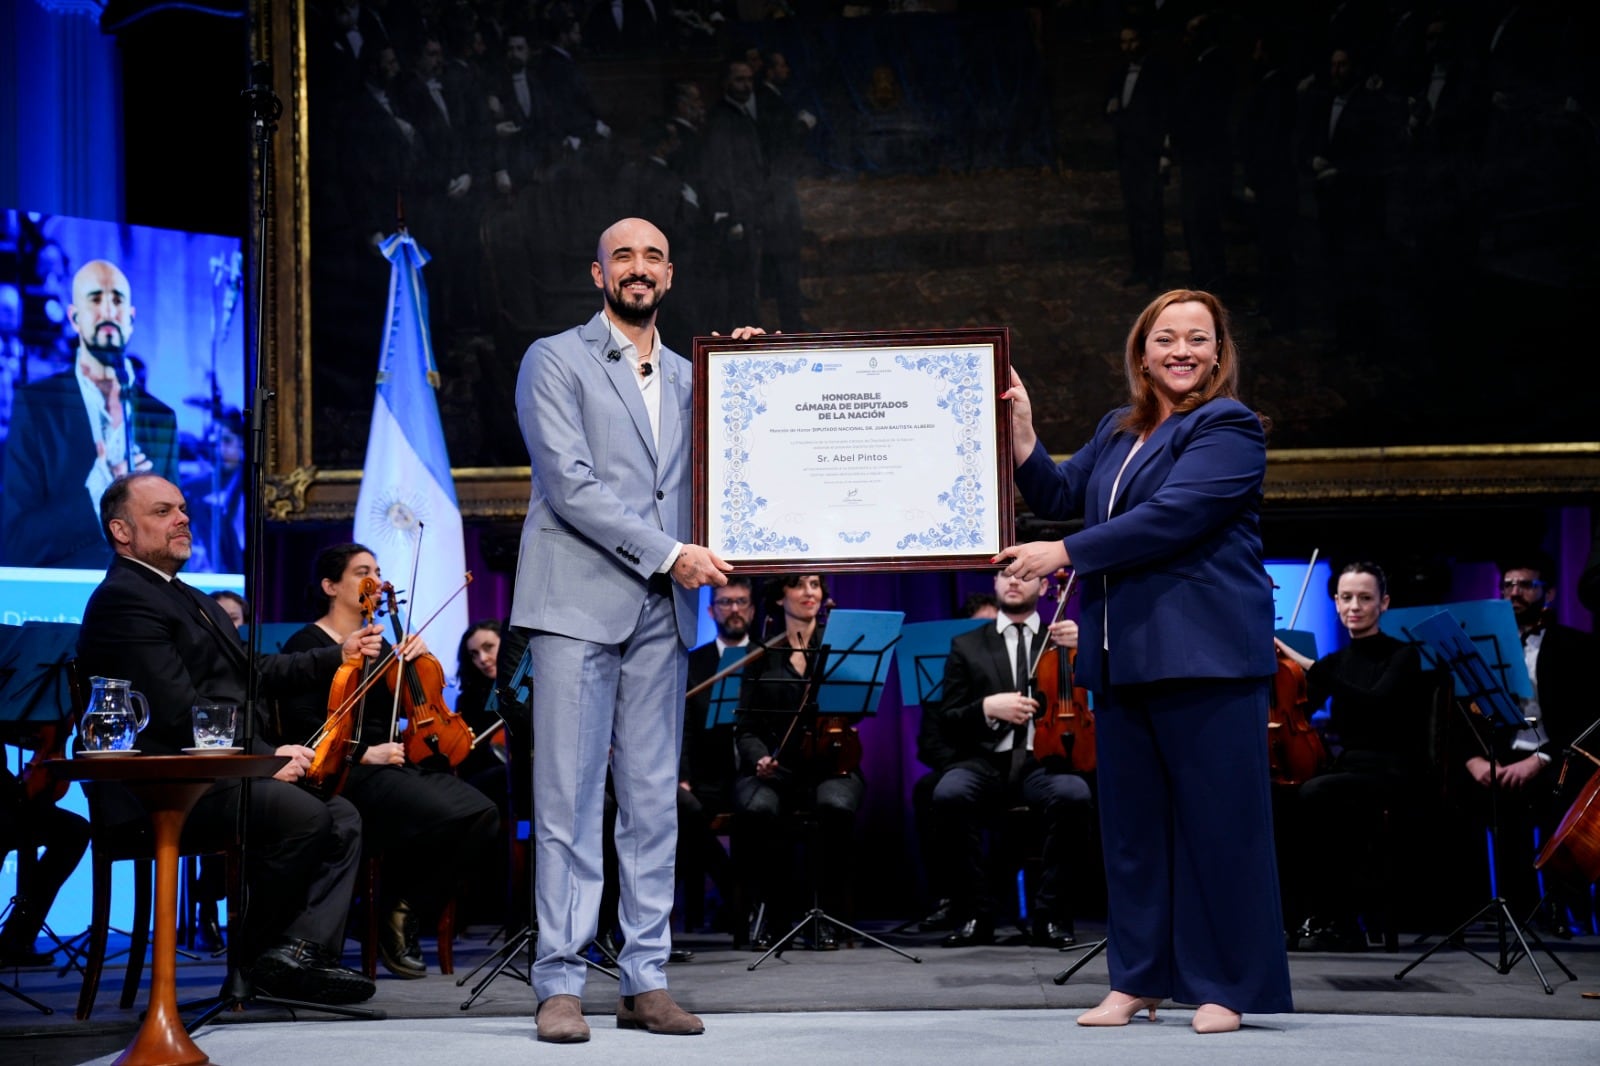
986 716
73 432
1527 763
178 647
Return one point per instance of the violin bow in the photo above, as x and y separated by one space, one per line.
1061 607
1304 581
416 561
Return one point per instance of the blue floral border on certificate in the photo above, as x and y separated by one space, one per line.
963 398
744 535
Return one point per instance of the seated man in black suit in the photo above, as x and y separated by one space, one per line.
179 648
986 718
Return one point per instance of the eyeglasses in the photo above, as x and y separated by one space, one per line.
1520 583
732 605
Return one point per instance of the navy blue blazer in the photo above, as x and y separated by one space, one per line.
1172 574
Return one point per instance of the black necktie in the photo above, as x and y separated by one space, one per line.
1019 732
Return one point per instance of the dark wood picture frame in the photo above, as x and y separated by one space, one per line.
854 346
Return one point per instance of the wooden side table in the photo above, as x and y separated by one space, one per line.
168 786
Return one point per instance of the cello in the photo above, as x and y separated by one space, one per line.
1295 751
1063 727
1573 850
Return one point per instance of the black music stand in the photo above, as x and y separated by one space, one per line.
1448 642
843 680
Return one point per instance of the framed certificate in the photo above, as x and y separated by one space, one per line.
853 451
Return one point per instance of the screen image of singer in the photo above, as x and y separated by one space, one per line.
121 348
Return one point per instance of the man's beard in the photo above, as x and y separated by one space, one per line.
633 314
727 633
107 343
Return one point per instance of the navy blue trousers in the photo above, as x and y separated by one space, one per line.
1186 817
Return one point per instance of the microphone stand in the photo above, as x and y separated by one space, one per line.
265 109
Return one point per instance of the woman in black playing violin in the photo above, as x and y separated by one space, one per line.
1377 718
427 825
786 764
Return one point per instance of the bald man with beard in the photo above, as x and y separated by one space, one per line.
74 433
607 594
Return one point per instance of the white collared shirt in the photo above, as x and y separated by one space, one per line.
1008 633
649 385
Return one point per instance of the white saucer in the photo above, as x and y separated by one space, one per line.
105 754
212 751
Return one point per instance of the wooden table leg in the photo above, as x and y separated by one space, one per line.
161 1040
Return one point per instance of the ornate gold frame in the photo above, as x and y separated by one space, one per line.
297 490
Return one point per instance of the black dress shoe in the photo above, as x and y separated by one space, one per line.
208 929
760 938
973 931
941 918
299 969
398 945
679 955
1053 935
823 938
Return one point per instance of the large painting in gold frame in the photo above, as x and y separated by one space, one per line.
297 489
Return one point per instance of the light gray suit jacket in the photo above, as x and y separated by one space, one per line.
606 505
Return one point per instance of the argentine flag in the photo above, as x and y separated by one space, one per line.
407 494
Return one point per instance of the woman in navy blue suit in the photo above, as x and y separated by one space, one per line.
1177 646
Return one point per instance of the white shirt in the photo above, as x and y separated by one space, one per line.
519 84
1532 737
650 392
649 384
1111 503
1007 627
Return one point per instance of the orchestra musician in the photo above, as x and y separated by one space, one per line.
1525 764
178 647
986 716
777 774
1378 718
1177 649
477 667
428 825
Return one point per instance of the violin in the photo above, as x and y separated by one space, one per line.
434 733
1295 752
831 747
1063 727
335 744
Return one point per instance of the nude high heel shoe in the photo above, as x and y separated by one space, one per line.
1118 1008
1212 1018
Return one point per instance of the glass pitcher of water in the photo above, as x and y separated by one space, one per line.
114 716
